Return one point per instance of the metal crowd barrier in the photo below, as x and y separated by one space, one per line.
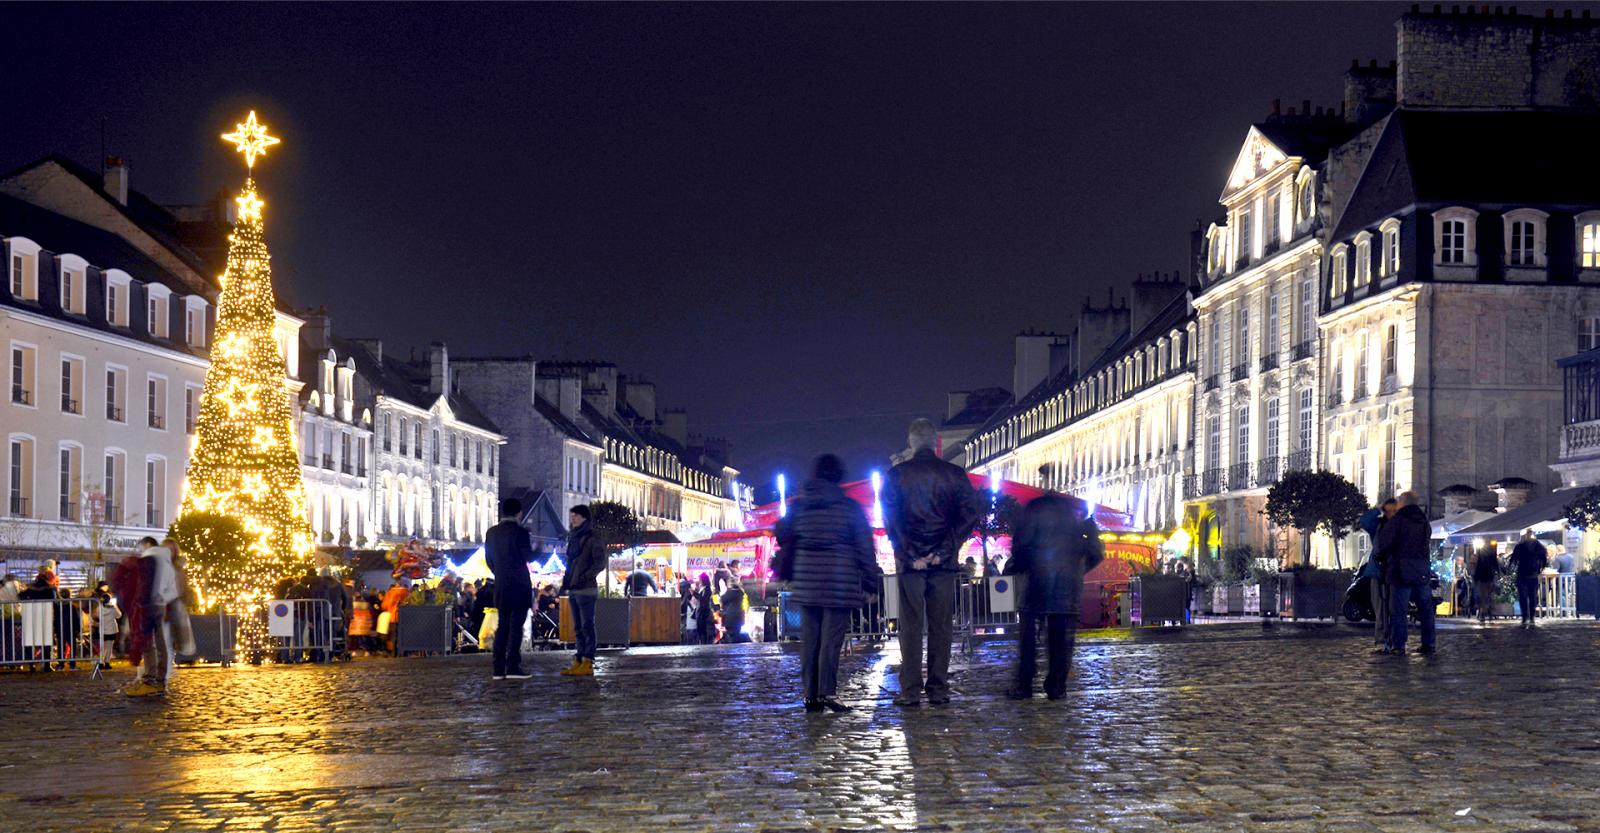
45 632
298 629
1558 596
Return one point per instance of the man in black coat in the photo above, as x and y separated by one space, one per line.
1528 558
929 509
1054 545
1403 542
508 551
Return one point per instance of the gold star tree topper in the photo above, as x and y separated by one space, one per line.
251 139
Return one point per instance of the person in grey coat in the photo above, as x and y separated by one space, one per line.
1055 544
825 554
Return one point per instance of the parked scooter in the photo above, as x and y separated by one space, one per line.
1358 596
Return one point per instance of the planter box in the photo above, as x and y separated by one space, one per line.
1589 596
1235 597
1202 600
1252 600
611 622
1156 600
1219 599
1313 594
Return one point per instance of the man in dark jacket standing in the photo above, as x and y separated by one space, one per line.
1403 541
825 554
930 508
508 550
1055 544
586 557
1529 559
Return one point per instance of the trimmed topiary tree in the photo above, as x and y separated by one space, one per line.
1315 500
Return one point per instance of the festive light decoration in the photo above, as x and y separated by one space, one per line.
243 465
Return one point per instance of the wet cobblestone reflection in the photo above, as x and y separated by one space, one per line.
1222 731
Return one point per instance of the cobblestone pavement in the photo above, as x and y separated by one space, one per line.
1226 730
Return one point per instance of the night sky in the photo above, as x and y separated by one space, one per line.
803 223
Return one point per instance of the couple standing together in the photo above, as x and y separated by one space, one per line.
826 554
508 549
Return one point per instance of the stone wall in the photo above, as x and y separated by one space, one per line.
1489 405
1498 60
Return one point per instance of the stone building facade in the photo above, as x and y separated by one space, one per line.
1114 429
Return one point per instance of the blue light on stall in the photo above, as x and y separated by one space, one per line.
877 499
783 497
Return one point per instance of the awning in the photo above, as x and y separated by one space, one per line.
1443 527
1545 511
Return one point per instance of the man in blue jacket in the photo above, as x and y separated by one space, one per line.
1376 571
508 550
1403 543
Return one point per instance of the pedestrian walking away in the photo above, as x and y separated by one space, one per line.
734 601
145 585
1404 541
586 557
1528 559
1056 542
825 554
508 551
930 509
1486 571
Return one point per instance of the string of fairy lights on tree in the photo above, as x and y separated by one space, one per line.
244 464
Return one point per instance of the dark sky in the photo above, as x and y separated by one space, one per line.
804 223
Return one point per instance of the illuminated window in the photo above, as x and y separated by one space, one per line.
1390 265
1270 435
1456 236
1340 279
24 278
1213 442
1391 337
1246 225
1336 357
1241 434
24 387
1306 326
1363 268
1271 220
118 288
1306 399
1589 240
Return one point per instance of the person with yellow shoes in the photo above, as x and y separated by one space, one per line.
586 557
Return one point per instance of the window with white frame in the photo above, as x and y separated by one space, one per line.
1386 472
118 288
191 408
155 391
1214 359
1391 248
24 278
155 492
1338 279
1391 349
435 434
1455 230
416 440
19 477
69 482
1241 434
1336 359
1270 327
405 437
1270 220
1363 259
1588 334
116 398
1524 229
1303 440
73 284
1270 436
1246 225
1306 325
1308 198
1363 368
71 385
194 323
1241 340
113 488
24 384
1588 237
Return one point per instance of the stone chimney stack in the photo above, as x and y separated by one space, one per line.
116 178
569 396
1457 499
318 329
1512 491
675 424
438 368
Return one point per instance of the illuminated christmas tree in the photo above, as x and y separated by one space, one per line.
244 464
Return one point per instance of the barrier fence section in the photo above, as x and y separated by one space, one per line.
300 628
62 632
1558 596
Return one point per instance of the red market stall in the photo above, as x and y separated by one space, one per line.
1127 550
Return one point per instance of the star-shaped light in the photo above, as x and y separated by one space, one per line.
249 205
251 138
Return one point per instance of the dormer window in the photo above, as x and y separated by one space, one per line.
1524 229
1390 265
23 278
1340 279
1363 259
118 288
1455 230
157 310
194 321
1308 196
74 285
1588 236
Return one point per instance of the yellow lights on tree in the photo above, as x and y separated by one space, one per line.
243 468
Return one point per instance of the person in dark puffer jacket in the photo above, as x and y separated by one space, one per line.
825 553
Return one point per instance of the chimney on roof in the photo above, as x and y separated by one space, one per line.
116 178
438 369
318 329
675 424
